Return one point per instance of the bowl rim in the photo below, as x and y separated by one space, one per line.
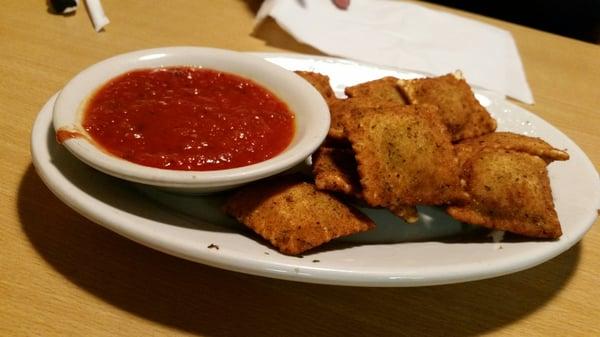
315 114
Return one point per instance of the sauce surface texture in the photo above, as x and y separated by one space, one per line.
185 118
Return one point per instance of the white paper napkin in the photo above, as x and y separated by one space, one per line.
407 36
96 12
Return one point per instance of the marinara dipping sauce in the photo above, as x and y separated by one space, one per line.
186 118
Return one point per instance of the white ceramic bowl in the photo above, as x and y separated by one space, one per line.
311 116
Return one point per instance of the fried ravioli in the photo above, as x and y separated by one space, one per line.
346 108
514 142
458 108
294 216
321 83
381 90
405 157
509 191
335 170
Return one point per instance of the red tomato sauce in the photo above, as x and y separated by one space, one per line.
185 118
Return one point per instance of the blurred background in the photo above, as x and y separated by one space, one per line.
578 19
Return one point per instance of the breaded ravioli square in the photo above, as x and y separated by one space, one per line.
294 216
320 82
339 111
511 141
335 170
458 108
405 157
381 90
346 108
509 191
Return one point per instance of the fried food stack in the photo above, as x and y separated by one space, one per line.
396 144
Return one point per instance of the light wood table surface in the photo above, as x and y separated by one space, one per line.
62 275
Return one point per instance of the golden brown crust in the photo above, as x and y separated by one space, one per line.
320 82
342 110
380 90
458 108
405 157
335 170
509 191
408 213
514 142
294 216
339 110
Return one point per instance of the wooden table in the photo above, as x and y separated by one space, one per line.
62 275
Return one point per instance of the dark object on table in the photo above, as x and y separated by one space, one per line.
579 19
341 4
63 6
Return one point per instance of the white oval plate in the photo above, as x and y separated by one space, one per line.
192 227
